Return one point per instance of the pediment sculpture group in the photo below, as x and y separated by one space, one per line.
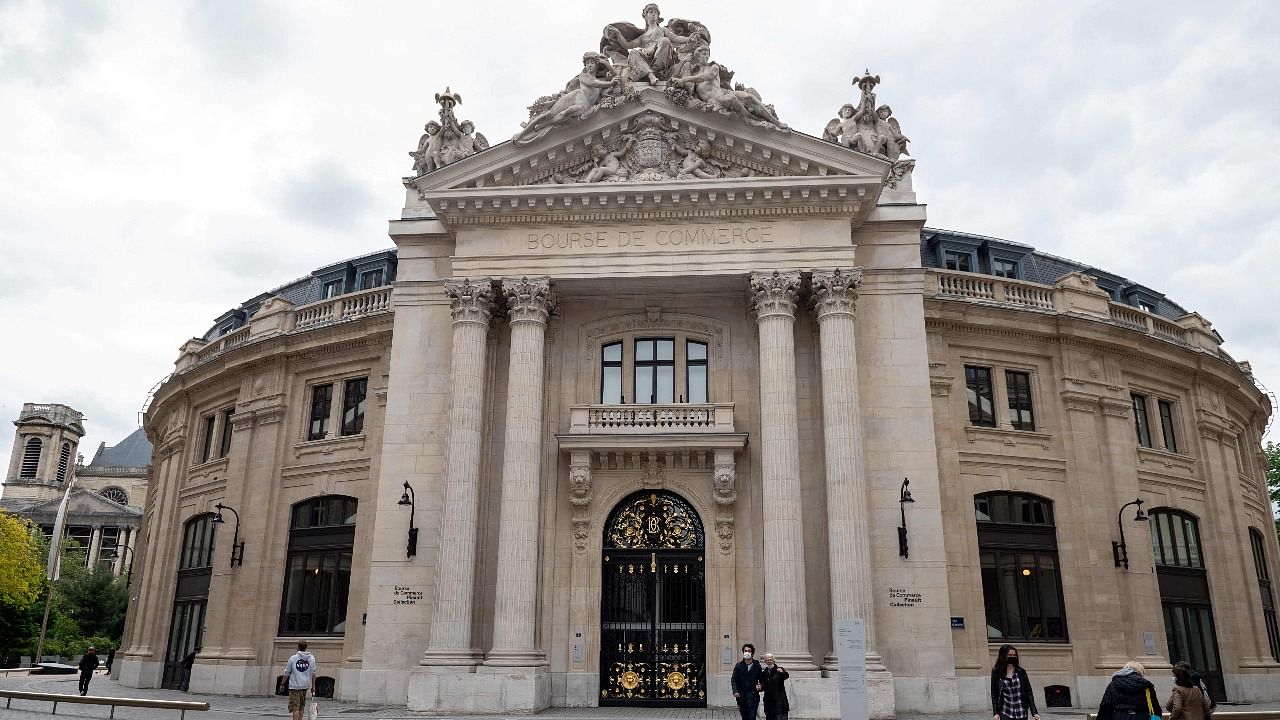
675 58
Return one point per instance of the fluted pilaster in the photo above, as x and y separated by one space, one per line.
529 305
835 296
471 302
773 298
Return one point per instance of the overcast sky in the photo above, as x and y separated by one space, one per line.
163 162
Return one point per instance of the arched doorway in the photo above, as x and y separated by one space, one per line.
653 633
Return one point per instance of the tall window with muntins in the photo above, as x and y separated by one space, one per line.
322 533
1175 538
353 397
1141 424
108 546
1166 425
321 401
1018 385
1021 578
961 261
611 373
206 447
981 396
655 370
197 543
64 460
1264 589
224 445
31 458
696 370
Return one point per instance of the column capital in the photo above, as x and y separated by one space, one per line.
835 292
528 299
774 293
470 300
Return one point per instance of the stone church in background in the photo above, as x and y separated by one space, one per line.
108 493
670 372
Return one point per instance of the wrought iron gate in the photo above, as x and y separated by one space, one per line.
653 605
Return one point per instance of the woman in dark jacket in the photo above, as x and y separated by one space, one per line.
1129 695
1011 694
773 682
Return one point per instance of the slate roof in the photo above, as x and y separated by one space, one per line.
132 452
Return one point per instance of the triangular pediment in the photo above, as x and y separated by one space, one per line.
82 502
732 148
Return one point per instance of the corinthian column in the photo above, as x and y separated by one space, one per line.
835 294
786 614
514 620
451 644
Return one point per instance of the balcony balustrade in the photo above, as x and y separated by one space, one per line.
662 418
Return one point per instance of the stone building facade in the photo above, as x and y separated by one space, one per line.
662 376
105 507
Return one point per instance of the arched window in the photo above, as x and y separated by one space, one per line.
115 495
1175 539
197 543
1021 579
322 533
31 458
1264 589
64 459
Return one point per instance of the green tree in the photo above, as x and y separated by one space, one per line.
1272 451
22 585
94 600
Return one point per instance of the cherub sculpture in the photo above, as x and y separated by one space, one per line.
650 54
427 157
865 127
579 99
608 163
693 165
893 144
466 144
842 129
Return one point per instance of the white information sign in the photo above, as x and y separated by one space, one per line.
851 646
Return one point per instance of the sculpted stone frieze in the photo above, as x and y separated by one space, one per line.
447 141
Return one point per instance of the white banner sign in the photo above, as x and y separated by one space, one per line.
851 646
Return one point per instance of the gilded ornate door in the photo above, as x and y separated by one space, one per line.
652 604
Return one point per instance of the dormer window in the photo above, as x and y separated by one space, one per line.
961 261
1146 307
333 288
1004 268
370 279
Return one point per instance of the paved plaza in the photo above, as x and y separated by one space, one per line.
241 708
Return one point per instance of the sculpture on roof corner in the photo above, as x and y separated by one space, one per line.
872 130
447 141
675 57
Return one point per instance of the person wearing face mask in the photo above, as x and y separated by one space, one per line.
745 683
1011 695
773 680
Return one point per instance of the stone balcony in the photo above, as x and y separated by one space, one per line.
277 317
1073 294
662 426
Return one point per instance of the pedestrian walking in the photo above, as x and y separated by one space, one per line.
88 664
111 657
773 679
745 682
185 665
300 675
1011 694
1129 696
1187 701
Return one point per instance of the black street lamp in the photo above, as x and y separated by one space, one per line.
407 498
904 497
115 553
1120 550
237 545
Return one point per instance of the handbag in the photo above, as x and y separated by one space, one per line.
313 710
1151 711
282 685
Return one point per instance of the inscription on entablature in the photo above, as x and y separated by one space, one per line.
657 237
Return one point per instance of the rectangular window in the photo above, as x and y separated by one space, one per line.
977 381
206 448
315 592
958 261
1166 425
655 370
1019 387
321 399
611 374
1264 589
1140 422
1146 307
224 446
1004 269
333 288
353 406
1022 592
370 279
696 370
